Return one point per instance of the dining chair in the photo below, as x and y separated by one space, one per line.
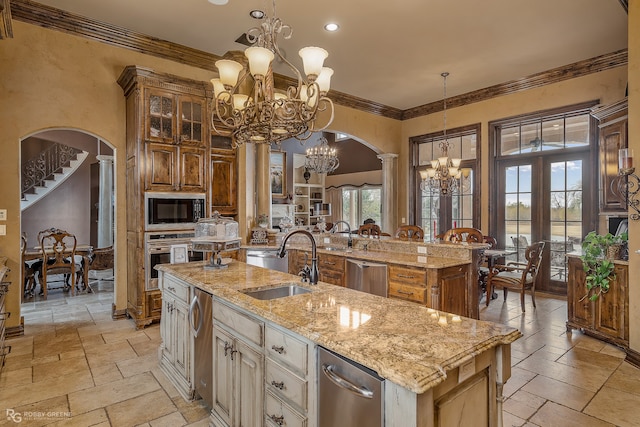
409 232
483 269
100 259
518 276
463 235
369 230
58 249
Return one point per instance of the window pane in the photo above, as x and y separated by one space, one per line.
577 130
553 134
469 147
574 206
524 207
510 140
530 138
558 206
558 181
425 153
524 178
511 179
511 207
574 175
455 147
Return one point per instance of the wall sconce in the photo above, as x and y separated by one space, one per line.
629 187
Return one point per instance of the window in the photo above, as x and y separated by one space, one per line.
436 213
545 186
359 204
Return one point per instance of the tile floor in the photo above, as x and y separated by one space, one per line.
76 366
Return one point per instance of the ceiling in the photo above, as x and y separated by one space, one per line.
393 53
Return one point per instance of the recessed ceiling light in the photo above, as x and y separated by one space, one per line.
331 27
256 14
218 2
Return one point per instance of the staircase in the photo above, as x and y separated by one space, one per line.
46 171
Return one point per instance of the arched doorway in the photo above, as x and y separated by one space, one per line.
67 182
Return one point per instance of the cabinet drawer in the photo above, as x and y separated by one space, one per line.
244 325
284 347
408 292
286 384
176 288
279 413
331 262
407 275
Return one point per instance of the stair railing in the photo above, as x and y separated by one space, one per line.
42 167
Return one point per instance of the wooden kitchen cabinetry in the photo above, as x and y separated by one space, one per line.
330 267
177 341
606 318
306 194
223 170
449 291
238 368
613 136
407 283
166 151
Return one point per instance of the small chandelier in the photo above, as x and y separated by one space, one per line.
248 108
445 175
321 159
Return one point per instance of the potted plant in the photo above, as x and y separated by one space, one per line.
598 253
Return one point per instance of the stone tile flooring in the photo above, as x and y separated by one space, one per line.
76 366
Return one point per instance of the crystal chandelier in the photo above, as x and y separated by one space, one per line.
321 159
445 175
248 108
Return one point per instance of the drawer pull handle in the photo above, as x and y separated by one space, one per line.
278 420
171 288
405 293
329 263
279 350
278 385
406 276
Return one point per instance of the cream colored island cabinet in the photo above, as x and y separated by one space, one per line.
176 350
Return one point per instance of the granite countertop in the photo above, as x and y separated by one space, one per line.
402 341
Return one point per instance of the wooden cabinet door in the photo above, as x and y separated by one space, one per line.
223 169
191 120
223 375
453 290
609 316
249 380
161 174
159 117
192 169
612 138
182 338
167 329
579 309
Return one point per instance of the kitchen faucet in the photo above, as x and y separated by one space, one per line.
349 239
313 273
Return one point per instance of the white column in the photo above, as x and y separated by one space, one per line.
105 202
389 192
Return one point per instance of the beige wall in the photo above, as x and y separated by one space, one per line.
634 142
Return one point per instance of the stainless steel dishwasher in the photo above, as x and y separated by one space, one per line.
201 320
267 258
350 394
367 277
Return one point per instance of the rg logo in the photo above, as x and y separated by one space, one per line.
14 416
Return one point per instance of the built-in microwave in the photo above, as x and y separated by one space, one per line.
173 211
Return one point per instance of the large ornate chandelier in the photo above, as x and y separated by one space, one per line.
248 107
321 158
445 175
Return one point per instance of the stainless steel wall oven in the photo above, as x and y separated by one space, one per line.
158 251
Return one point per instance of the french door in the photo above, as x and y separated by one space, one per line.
545 198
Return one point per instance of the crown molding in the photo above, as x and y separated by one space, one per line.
555 75
59 20
6 31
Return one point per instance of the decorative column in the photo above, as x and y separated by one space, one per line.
105 202
263 182
389 192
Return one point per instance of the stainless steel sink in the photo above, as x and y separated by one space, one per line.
278 292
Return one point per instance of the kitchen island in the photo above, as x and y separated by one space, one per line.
439 369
